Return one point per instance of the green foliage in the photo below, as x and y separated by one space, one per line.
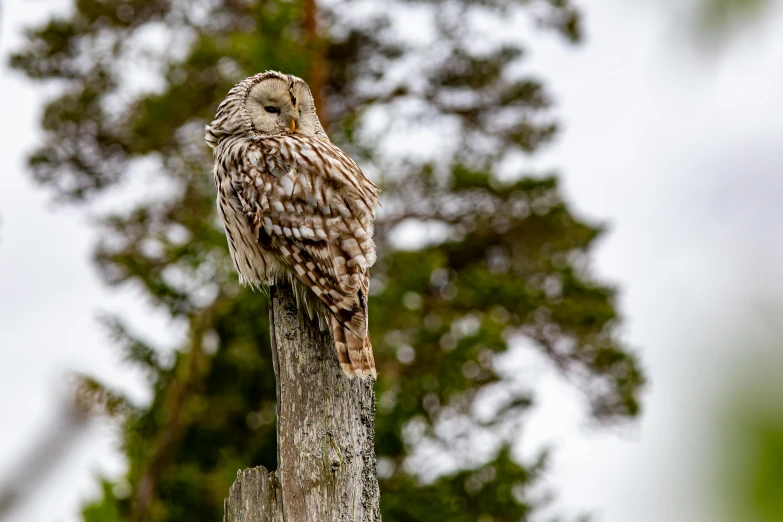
510 261
465 496
106 510
746 469
764 492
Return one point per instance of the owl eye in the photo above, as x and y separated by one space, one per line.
272 109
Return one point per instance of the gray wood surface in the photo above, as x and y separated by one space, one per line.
252 498
325 431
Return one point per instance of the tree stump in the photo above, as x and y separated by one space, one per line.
325 432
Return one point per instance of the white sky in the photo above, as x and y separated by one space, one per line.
681 153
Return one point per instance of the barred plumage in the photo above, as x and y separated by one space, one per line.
296 206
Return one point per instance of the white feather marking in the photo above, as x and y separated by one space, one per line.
288 184
358 260
306 232
254 157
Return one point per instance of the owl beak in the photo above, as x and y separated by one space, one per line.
293 125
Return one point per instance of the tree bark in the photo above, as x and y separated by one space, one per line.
325 432
317 78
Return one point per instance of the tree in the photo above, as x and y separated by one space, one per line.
506 259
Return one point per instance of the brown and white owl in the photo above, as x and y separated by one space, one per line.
295 206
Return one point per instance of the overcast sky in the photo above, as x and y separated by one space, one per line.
680 152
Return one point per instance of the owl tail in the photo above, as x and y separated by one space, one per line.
353 352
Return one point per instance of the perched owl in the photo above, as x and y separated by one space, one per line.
295 206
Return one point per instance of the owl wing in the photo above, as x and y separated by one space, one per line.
311 205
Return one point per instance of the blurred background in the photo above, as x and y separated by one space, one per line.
576 308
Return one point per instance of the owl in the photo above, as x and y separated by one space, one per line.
296 207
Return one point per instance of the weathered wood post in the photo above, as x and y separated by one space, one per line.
325 433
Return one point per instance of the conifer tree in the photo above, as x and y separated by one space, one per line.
505 260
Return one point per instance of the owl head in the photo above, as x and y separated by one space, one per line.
269 103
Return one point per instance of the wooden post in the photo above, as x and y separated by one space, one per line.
325 433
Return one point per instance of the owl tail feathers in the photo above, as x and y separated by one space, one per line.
353 352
